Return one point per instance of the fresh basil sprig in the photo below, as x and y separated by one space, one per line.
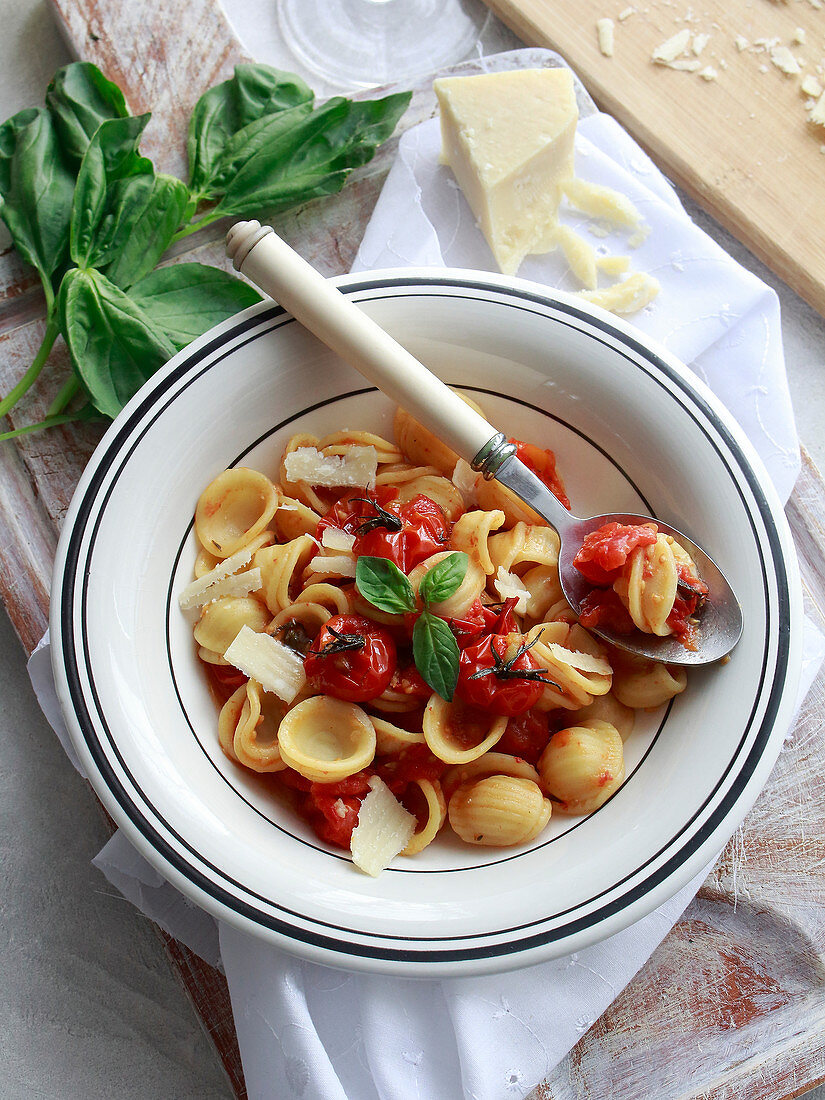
435 650
94 218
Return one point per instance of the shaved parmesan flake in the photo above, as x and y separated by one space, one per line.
811 86
334 538
241 584
601 202
584 662
817 115
672 48
341 565
507 584
782 57
613 265
632 293
384 829
604 29
699 43
580 255
191 595
464 478
354 470
276 667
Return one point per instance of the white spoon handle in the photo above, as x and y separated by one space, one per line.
279 271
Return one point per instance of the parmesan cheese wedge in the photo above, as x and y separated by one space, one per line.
276 667
508 138
584 662
384 829
354 470
507 584
192 593
334 538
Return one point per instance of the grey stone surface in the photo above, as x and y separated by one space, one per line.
89 1006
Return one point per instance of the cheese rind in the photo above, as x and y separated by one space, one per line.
508 138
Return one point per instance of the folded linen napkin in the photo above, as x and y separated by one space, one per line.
312 1032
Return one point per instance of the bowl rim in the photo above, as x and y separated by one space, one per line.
619 914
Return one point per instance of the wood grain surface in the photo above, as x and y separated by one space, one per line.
741 144
731 1004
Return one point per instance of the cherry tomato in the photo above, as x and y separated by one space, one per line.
511 686
690 595
543 464
602 607
405 533
415 762
352 658
526 736
479 620
225 679
409 681
605 551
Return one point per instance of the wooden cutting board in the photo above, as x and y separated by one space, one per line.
741 144
730 1006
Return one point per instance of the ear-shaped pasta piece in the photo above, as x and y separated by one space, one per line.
471 533
574 661
457 733
431 805
281 567
438 489
464 596
644 685
204 563
395 702
493 495
607 708
561 612
544 586
524 546
220 621
233 509
421 446
338 443
499 811
326 739
582 766
311 616
293 519
211 658
491 763
299 490
647 586
360 606
401 473
256 733
228 721
390 739
336 600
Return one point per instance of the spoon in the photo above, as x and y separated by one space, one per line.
259 254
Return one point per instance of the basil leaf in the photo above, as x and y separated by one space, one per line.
436 655
114 345
254 92
187 299
35 190
79 98
440 582
111 156
383 584
313 157
246 142
146 212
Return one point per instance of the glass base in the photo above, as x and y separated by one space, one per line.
364 43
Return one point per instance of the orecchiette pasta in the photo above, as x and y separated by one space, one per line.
395 618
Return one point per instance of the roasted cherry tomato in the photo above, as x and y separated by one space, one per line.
605 551
489 680
479 620
691 593
352 658
405 533
526 736
409 681
543 464
602 607
332 808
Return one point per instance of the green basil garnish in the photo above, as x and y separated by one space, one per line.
436 655
383 584
444 579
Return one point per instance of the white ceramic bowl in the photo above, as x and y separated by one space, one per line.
632 428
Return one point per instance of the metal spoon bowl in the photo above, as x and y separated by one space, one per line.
272 265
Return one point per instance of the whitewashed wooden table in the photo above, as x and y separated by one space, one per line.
733 1002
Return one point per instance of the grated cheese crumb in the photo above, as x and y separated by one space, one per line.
709 73
811 86
817 115
784 60
741 42
699 43
602 202
626 14
613 265
580 255
633 293
672 48
799 36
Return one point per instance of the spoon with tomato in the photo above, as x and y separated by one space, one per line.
279 271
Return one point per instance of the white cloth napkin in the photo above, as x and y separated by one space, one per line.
314 1033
